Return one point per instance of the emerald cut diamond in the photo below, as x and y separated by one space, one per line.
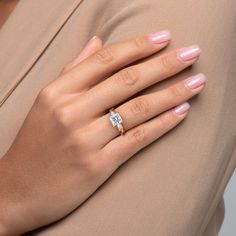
116 119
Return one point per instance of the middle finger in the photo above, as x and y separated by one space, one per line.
131 80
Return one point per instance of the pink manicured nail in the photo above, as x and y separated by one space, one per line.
91 40
84 53
195 81
181 109
160 37
189 53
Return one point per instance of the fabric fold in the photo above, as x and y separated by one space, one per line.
48 17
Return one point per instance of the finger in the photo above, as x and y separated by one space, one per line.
109 59
131 80
93 45
125 146
142 108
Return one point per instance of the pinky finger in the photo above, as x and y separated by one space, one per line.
125 146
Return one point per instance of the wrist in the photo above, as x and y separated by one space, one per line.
10 213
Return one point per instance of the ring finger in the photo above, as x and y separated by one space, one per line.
145 107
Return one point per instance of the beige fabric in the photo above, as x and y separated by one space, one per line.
174 186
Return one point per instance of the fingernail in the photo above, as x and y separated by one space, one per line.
85 52
160 37
195 81
87 45
181 109
93 38
189 53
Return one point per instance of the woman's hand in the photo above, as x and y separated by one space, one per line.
67 146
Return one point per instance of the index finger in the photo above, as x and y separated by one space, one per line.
110 59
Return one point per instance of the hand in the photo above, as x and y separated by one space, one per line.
67 146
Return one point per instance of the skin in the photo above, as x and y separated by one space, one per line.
6 8
53 164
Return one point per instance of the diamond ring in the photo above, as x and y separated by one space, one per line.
116 120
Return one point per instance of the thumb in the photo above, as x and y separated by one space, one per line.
92 46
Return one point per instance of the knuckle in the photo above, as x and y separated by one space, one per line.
88 165
177 91
78 139
167 63
46 96
140 106
139 136
127 76
75 143
61 116
91 167
140 42
104 55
